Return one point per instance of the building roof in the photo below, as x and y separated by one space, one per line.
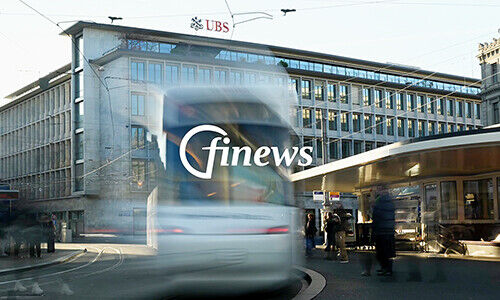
78 27
454 154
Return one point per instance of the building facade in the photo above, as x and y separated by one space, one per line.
345 106
489 59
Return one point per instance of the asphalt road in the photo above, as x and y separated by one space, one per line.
414 278
109 273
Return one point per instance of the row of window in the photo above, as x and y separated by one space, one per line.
367 123
53 184
252 58
384 98
339 148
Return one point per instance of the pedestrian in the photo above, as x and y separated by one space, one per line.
49 233
331 228
310 231
34 232
343 224
383 229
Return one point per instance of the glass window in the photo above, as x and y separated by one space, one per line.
333 148
79 146
318 91
356 123
306 89
344 121
137 137
346 148
441 107
358 147
306 118
318 117
166 48
368 124
204 76
79 113
78 84
369 146
442 128
430 105
379 124
188 74
332 120
400 101
235 77
451 128
377 97
367 97
250 78
477 109
496 113
410 99
411 128
220 77
430 197
390 126
79 177
138 70
478 199
78 52
138 174
293 85
432 128
461 127
421 128
172 74
449 107
344 98
155 73
468 109
459 109
401 127
389 100
137 107
421 104
331 93
355 93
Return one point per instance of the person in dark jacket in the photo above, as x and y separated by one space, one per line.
331 228
310 231
383 230
49 232
343 220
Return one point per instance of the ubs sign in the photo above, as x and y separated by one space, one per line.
209 25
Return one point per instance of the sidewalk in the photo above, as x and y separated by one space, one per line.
10 264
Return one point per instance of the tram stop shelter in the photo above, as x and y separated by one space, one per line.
455 179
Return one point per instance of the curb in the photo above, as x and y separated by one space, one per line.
316 283
60 260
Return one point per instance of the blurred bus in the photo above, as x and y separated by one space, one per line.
239 230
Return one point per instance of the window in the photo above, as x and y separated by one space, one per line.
430 105
477 109
441 107
401 127
496 113
367 97
188 74
137 105
78 84
220 77
461 127
432 128
138 70
332 120
172 74
355 94
79 113
358 147
319 148
442 128
379 120
318 91
306 89
344 121
389 100
346 148
204 76
494 73
410 99
344 98
318 116
356 123
306 118
79 146
368 124
449 107
400 102
390 126
421 128
377 97
451 128
369 146
155 73
411 128
333 148
78 177
459 109
421 104
78 52
138 137
468 109
478 199
331 93
138 174
235 78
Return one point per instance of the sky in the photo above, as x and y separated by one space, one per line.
436 35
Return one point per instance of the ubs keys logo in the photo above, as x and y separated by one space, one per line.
209 25
260 153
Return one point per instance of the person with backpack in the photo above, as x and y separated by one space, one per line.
310 231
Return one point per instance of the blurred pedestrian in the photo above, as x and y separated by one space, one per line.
343 226
331 228
49 233
34 234
310 231
383 229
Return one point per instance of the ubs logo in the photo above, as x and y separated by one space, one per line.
209 25
260 153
